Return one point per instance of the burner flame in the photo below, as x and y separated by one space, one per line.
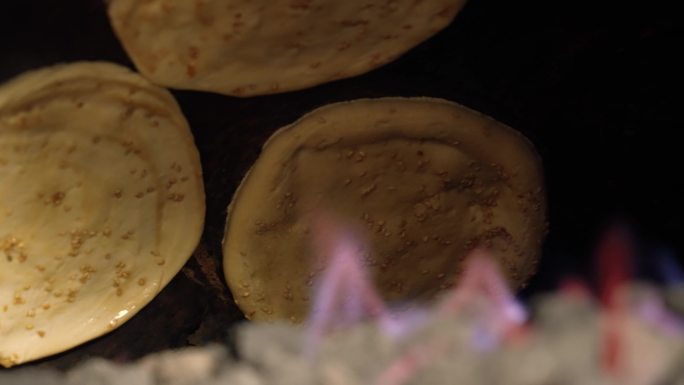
346 296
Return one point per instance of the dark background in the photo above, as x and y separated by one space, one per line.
596 86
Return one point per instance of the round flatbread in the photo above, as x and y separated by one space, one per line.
246 48
424 181
101 203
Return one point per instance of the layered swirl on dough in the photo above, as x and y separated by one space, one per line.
101 203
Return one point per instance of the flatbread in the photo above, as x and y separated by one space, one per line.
423 181
101 203
246 48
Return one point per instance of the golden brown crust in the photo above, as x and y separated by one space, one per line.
426 179
246 48
101 200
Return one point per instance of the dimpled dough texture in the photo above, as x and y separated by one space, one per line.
423 180
101 203
256 47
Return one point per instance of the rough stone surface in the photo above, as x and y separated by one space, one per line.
563 345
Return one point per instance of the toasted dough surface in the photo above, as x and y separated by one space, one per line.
101 203
247 47
424 181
